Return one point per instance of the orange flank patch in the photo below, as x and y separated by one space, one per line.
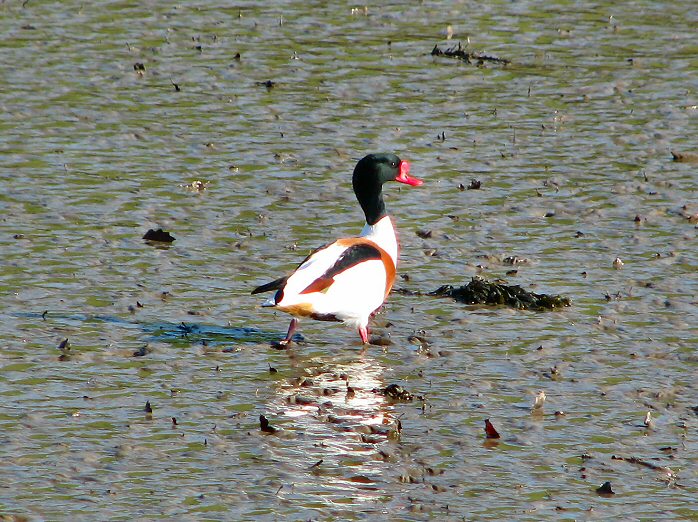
298 310
389 271
320 284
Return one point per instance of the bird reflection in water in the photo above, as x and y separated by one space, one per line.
339 423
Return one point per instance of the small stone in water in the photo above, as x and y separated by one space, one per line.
142 351
158 235
265 426
539 401
605 489
397 392
490 431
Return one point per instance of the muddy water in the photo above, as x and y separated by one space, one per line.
570 142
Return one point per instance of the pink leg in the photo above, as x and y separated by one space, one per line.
363 332
289 335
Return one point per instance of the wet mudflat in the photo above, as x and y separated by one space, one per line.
235 130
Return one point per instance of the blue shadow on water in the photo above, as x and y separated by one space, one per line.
164 331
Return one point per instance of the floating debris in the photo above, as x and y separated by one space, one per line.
420 340
158 235
396 392
481 291
268 84
605 489
265 426
469 57
684 157
516 260
196 185
648 419
380 340
64 347
539 401
142 351
490 431
640 462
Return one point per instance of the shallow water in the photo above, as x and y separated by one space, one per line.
571 142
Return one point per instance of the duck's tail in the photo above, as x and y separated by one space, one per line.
274 285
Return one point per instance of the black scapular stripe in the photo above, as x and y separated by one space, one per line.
352 256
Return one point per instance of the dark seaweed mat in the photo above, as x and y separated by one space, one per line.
481 291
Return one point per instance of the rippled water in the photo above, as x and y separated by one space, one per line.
571 142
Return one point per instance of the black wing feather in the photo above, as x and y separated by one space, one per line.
274 285
279 283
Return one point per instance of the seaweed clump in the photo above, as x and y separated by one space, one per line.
481 291
469 57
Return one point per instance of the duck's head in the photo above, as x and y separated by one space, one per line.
376 169
369 175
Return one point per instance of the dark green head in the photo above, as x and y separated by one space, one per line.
369 175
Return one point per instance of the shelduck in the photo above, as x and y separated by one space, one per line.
349 279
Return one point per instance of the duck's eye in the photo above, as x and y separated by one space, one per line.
393 164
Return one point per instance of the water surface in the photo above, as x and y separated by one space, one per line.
572 144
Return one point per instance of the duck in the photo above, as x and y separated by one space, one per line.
349 279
